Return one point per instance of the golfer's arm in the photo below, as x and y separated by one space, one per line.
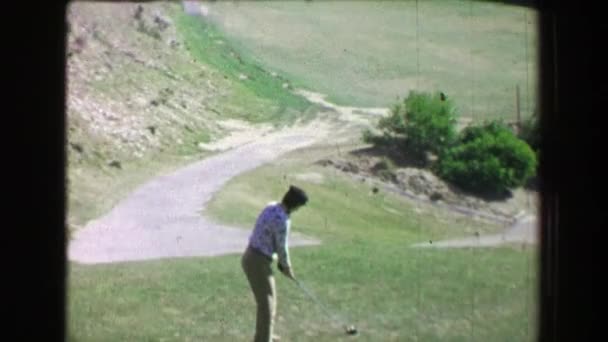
281 244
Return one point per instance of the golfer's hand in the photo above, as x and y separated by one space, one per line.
287 272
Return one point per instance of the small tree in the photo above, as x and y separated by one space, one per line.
421 123
430 123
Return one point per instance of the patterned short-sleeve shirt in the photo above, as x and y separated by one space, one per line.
271 233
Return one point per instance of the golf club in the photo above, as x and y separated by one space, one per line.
349 329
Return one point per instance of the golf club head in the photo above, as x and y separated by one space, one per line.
351 330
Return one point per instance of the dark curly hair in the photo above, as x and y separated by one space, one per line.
294 197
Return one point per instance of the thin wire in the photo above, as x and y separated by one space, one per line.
528 265
527 61
473 287
417 51
471 58
528 261
472 118
418 292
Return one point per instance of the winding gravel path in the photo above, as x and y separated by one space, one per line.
162 218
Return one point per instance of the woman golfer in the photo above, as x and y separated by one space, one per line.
269 237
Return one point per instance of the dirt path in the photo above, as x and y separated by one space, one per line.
522 231
162 218
351 114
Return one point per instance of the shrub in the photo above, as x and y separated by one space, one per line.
489 159
430 123
421 123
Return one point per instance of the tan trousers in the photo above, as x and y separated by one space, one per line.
258 270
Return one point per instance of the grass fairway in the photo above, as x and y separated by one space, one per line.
364 269
366 53
256 91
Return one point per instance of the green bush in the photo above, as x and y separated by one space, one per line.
488 159
430 123
421 123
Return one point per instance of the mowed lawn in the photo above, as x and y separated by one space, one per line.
368 53
365 270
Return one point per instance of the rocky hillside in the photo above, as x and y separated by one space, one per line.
139 102
133 86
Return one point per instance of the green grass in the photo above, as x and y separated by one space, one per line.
261 93
365 53
390 293
95 187
364 270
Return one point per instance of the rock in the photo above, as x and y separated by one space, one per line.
286 86
425 184
273 74
243 77
161 22
115 163
380 165
349 167
388 176
77 147
324 162
416 185
436 196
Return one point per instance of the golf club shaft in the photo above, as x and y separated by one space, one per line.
314 299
